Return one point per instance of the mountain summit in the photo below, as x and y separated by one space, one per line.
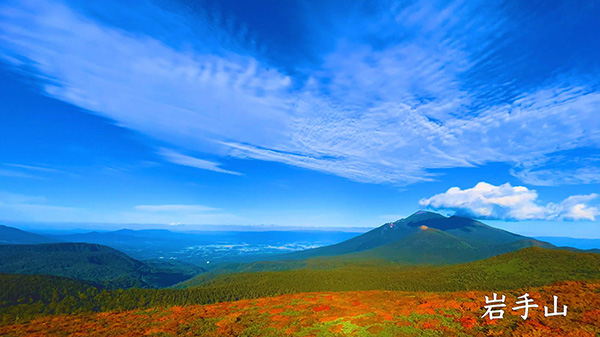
427 237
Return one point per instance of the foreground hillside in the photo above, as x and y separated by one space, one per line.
356 313
24 297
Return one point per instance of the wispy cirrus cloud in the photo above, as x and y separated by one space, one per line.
26 171
19 207
34 168
378 108
17 174
174 208
180 159
176 214
507 202
551 177
183 96
36 208
564 167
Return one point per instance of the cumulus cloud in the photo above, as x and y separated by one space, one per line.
385 113
507 202
575 207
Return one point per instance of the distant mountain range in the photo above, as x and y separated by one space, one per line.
593 244
190 247
422 238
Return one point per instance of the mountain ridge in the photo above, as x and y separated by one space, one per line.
12 235
88 262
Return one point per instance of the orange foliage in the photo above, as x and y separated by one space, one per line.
338 313
468 322
321 307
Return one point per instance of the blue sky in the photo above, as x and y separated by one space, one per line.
301 113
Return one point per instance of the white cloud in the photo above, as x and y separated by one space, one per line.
575 207
180 159
185 97
507 202
175 208
380 115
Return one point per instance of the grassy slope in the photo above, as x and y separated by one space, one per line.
433 246
527 267
331 314
524 268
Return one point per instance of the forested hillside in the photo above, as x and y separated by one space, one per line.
524 268
89 262
527 267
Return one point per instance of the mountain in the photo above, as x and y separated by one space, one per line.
89 262
427 238
11 235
